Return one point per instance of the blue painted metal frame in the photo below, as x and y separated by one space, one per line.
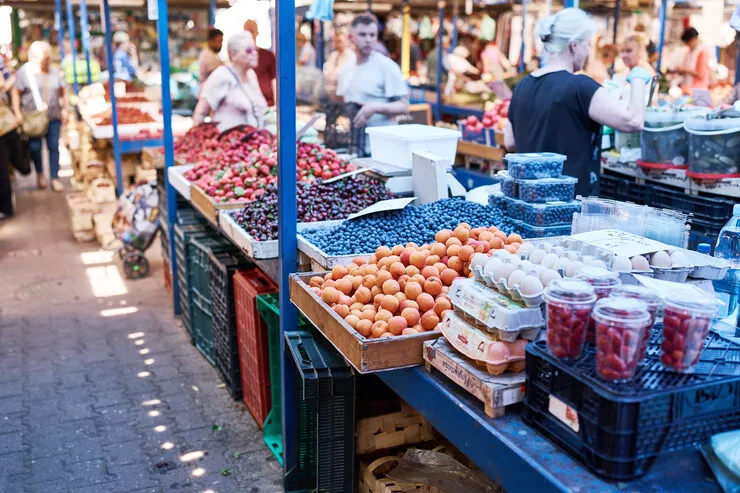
320 42
212 13
522 62
519 458
287 208
167 140
72 39
440 36
85 37
59 20
113 104
570 4
617 9
661 39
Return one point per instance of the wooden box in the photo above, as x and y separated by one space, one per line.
387 431
152 157
209 207
372 478
365 355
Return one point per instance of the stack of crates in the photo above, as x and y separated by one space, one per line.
252 340
224 266
325 415
183 235
199 287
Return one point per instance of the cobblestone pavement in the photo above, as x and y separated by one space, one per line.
100 389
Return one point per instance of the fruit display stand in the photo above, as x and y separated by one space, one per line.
208 207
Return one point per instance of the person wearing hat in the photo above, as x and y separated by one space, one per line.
123 67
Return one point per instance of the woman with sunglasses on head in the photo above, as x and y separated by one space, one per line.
555 110
231 96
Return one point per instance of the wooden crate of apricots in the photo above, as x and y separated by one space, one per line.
378 311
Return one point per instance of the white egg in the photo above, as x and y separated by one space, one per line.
515 278
621 264
526 265
559 251
490 266
639 263
549 260
549 275
531 286
501 253
503 271
561 264
597 263
679 259
661 259
478 260
574 255
572 269
525 249
514 259
537 256
545 246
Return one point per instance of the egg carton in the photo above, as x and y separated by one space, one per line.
514 292
573 247
495 312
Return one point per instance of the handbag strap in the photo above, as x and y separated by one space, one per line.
33 85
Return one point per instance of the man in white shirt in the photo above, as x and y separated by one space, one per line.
374 81
338 59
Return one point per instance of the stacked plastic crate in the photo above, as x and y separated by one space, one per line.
537 197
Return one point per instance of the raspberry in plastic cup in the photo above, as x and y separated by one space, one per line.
604 281
621 324
686 324
569 304
654 304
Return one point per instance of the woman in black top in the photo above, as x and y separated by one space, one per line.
554 110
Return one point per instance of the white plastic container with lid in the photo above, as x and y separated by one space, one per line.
395 145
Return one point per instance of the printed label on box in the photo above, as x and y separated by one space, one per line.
566 414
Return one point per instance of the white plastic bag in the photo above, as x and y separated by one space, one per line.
727 447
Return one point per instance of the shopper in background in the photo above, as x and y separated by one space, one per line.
555 110
494 63
306 53
9 138
633 52
374 81
337 60
232 95
208 60
695 67
41 88
433 61
599 66
123 63
266 68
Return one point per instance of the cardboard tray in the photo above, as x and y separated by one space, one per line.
176 177
207 206
365 355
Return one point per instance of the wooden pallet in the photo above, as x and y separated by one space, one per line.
495 391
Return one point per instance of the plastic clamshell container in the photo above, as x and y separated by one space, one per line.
569 305
561 189
495 312
535 165
550 213
498 199
530 231
508 184
514 208
396 144
478 345
686 324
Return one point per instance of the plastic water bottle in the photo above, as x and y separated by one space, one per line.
728 248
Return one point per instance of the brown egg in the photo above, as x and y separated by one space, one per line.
389 303
412 290
411 315
397 324
341 310
364 327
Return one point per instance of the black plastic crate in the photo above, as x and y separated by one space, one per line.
705 208
624 190
226 348
183 234
325 417
618 430
199 290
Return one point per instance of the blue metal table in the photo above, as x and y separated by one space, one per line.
519 458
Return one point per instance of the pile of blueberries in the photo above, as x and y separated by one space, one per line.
416 224
537 179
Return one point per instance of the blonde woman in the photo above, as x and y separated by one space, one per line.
41 88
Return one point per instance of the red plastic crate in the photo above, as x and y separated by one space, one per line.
251 336
167 274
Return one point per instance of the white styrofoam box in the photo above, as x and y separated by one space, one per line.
395 144
175 174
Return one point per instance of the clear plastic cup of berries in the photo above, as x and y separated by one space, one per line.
621 324
569 304
604 281
686 323
654 304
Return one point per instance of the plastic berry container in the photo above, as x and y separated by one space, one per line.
686 323
508 184
604 281
621 325
550 213
561 189
535 165
514 208
654 304
531 231
569 304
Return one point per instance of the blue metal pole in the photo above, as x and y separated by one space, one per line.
440 36
59 21
320 46
113 105
570 4
455 34
71 27
287 214
617 8
85 36
212 13
522 64
663 14
737 62
167 141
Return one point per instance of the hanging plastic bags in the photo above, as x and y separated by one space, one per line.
487 28
425 29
